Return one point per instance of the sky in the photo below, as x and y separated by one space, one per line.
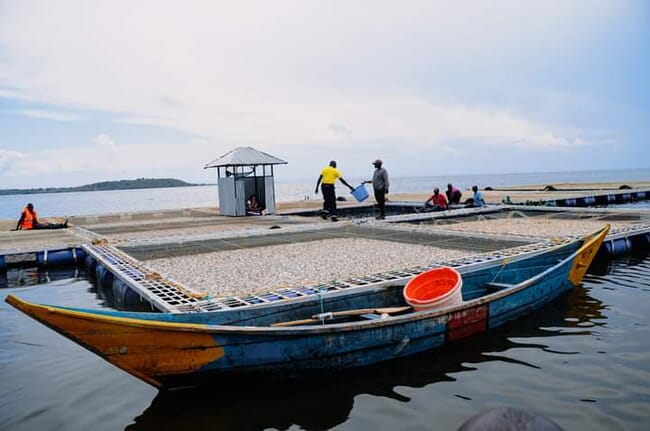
108 90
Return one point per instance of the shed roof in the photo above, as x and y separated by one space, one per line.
245 156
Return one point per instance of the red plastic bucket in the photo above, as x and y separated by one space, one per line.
435 288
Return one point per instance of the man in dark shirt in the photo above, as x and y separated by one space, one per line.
453 194
380 187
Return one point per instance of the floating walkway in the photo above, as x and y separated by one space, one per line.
451 213
40 248
112 266
612 198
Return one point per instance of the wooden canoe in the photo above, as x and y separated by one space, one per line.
169 353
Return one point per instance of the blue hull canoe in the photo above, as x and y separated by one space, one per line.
357 329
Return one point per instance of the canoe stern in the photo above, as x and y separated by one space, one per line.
147 350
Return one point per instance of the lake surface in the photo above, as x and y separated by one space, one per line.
120 201
583 361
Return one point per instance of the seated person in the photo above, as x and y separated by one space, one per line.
253 207
477 199
436 202
29 220
453 194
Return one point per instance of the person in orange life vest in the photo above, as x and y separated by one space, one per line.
29 220
328 177
438 201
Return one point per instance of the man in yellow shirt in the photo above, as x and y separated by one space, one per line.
326 180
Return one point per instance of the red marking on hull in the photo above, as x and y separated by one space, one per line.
468 322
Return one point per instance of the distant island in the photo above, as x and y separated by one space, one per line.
139 183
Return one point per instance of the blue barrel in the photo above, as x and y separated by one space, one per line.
624 197
56 257
641 242
570 202
104 276
91 265
63 257
618 247
644 240
640 196
81 254
601 200
124 296
590 200
3 263
611 199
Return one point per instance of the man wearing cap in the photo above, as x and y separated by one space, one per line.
380 187
326 180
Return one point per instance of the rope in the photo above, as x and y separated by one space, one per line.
322 315
505 262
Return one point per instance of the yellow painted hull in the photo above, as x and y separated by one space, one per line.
142 348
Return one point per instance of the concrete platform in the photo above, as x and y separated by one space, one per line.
32 240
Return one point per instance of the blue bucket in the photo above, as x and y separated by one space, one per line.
360 193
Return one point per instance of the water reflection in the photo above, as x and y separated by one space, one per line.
322 403
522 364
31 276
603 265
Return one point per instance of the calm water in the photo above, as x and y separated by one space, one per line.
583 361
119 201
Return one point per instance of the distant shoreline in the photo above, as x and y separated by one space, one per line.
301 195
139 183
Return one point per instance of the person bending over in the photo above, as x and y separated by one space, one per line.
326 180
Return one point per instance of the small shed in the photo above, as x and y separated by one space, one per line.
241 173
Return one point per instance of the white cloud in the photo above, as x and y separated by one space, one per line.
289 75
49 115
8 159
102 156
105 142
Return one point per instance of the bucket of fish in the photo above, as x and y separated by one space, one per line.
436 288
360 193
